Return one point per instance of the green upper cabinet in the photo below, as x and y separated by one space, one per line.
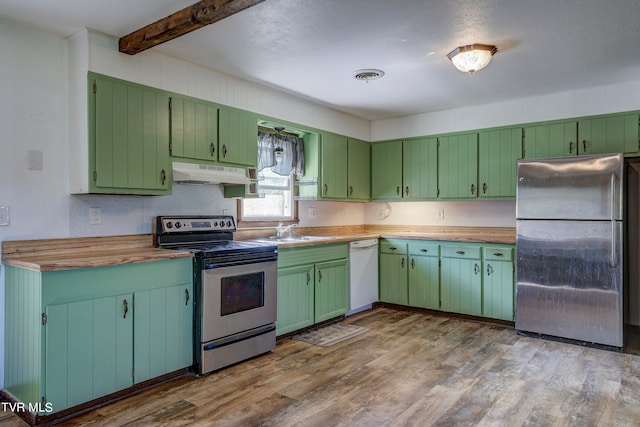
194 129
550 140
333 179
458 166
386 170
499 151
358 170
420 169
616 133
609 134
128 138
237 137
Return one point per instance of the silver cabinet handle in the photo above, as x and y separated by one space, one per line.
398 190
413 263
326 188
224 151
489 269
460 252
498 254
570 147
424 250
473 189
351 190
213 148
402 263
406 190
308 278
476 269
319 276
484 188
614 261
126 308
584 145
186 301
393 248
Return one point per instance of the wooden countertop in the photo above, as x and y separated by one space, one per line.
74 253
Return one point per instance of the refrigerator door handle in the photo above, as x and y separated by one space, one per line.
614 261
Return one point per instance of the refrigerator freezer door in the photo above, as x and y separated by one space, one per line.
574 188
569 280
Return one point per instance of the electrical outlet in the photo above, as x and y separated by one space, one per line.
440 214
311 213
4 215
95 216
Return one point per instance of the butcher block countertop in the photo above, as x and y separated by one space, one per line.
500 235
85 252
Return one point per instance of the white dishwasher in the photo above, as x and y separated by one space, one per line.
363 275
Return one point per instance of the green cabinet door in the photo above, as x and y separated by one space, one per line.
393 278
237 137
295 298
497 298
420 169
550 140
611 134
333 159
499 151
386 171
194 129
458 166
88 350
129 138
331 289
424 282
461 286
358 170
163 331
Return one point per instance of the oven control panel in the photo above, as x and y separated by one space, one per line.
182 224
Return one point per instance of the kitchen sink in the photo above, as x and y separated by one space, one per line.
285 239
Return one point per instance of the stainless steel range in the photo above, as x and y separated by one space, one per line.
235 286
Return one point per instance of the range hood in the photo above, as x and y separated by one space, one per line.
193 173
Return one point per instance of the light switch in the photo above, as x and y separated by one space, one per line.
4 215
95 216
440 214
35 160
311 213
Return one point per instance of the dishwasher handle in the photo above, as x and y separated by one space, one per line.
360 245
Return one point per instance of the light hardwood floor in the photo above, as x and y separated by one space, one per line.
408 369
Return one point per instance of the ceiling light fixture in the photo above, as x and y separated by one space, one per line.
368 74
472 57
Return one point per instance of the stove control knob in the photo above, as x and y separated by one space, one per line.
228 223
215 224
221 224
178 224
169 224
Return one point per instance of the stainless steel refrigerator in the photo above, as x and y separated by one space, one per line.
569 265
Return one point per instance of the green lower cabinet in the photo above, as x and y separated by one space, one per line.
424 276
163 325
393 278
89 348
331 289
295 298
73 336
461 286
497 298
313 285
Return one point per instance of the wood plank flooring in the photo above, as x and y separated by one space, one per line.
409 369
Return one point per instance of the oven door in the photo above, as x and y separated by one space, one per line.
238 298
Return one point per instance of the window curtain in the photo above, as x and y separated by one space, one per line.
292 153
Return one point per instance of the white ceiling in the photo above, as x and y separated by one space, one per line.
311 47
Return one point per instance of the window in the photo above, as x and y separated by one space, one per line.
276 199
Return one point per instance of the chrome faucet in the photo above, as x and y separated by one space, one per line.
284 230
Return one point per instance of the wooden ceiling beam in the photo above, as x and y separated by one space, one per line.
184 21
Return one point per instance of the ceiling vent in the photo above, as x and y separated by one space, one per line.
368 74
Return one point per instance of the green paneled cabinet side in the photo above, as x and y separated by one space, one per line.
128 138
608 134
358 170
458 166
386 170
313 285
424 275
71 334
420 169
499 152
237 137
307 186
393 271
333 160
194 129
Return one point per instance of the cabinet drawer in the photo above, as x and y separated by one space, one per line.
391 247
467 252
498 253
424 249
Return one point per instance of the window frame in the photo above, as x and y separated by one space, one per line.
270 222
